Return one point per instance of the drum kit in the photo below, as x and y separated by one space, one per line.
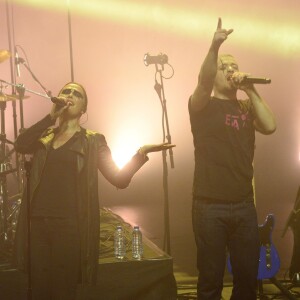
9 205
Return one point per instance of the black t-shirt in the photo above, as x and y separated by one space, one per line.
56 193
224 138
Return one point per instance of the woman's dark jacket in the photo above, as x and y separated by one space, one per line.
93 154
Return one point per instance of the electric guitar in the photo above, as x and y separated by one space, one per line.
269 261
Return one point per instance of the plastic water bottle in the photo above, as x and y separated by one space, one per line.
119 245
137 243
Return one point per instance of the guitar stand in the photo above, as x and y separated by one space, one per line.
284 290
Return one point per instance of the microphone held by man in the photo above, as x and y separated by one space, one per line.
253 80
256 80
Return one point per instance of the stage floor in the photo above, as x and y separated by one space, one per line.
187 288
151 278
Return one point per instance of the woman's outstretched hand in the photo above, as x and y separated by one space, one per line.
144 150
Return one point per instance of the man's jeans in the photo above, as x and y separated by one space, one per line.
220 226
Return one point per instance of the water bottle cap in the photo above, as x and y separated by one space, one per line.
136 227
119 227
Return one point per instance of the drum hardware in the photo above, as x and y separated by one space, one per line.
9 209
13 208
6 210
5 97
10 206
6 172
4 55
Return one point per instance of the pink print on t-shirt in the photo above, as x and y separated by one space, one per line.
237 121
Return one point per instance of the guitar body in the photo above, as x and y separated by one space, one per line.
269 261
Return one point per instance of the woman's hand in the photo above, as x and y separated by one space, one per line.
57 110
144 150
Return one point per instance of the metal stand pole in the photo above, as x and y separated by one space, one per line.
159 87
27 166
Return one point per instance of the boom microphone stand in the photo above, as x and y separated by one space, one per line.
27 166
159 62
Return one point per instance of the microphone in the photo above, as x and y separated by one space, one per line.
17 62
160 59
257 80
58 101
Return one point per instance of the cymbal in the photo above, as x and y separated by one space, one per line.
4 55
5 98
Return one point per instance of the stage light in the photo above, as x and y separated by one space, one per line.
271 34
124 148
122 156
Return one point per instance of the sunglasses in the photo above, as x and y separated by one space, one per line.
69 91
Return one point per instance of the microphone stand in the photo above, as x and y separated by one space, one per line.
4 207
159 88
23 62
11 40
292 214
22 87
27 166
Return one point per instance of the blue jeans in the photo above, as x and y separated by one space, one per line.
220 226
